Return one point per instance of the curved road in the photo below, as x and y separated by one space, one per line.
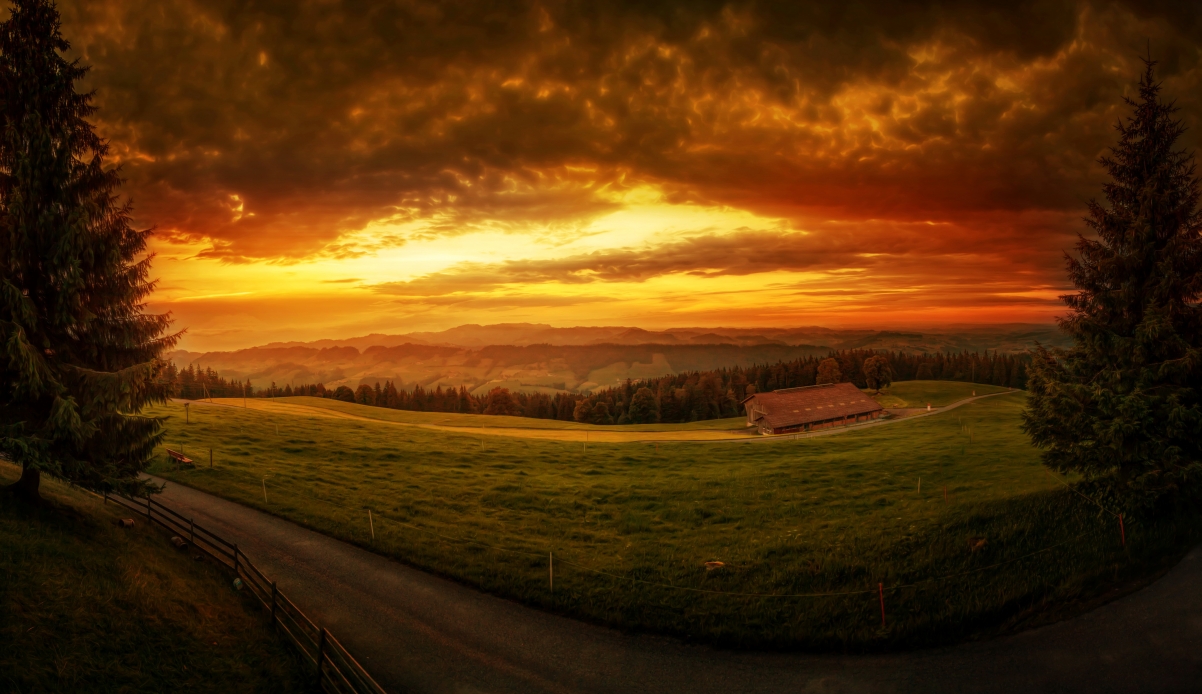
418 633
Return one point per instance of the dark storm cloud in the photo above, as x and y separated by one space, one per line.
269 130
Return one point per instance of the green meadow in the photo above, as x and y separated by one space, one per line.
951 515
493 421
907 394
88 607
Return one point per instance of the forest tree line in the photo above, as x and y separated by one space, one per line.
194 383
684 397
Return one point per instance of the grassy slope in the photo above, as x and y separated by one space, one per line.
910 394
450 419
832 514
903 394
937 393
88 607
490 426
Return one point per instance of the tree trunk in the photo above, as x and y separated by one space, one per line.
28 486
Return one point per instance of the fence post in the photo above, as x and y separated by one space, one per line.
148 510
192 531
235 560
881 591
321 654
274 592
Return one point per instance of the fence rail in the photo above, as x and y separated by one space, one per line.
335 669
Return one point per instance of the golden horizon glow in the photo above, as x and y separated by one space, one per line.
734 167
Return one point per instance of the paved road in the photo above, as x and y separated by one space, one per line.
418 633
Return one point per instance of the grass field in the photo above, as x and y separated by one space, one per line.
475 421
901 395
806 529
906 394
487 425
88 607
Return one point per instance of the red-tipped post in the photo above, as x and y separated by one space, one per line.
1122 531
880 587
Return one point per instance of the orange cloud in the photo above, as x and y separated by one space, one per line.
939 155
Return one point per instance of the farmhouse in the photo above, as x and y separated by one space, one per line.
791 410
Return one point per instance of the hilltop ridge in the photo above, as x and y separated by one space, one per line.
1006 337
542 358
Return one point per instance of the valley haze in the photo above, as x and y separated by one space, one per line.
542 358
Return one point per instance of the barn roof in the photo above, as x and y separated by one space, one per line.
791 407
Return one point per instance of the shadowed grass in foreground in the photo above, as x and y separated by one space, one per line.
632 525
88 607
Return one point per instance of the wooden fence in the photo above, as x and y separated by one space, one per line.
333 667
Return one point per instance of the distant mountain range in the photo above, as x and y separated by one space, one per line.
537 357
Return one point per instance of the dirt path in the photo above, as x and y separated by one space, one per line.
418 633
591 436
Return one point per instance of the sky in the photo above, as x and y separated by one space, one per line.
317 169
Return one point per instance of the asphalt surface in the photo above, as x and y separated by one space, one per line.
419 633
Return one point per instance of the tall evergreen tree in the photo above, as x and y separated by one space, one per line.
1122 405
80 354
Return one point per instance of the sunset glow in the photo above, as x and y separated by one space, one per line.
316 170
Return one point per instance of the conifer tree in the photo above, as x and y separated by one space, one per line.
80 356
1122 406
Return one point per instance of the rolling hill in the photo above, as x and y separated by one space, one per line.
535 357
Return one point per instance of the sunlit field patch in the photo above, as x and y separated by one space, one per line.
491 425
907 394
951 515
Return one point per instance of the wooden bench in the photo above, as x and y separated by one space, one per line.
180 458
